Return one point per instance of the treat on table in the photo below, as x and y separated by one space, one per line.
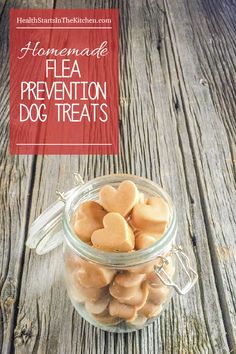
121 221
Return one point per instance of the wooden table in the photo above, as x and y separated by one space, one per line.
177 127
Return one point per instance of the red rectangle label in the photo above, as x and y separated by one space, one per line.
64 81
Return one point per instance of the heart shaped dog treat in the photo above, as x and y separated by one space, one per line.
143 269
138 321
133 295
158 295
106 319
129 279
144 240
121 200
152 217
93 276
122 311
115 236
81 294
88 218
72 261
121 293
150 310
97 307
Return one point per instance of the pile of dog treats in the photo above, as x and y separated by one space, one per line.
121 221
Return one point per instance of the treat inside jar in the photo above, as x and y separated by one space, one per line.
121 220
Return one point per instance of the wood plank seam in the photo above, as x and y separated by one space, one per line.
23 235
215 265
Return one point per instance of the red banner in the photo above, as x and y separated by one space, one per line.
64 81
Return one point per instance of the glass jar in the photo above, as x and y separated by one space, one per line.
121 292
117 292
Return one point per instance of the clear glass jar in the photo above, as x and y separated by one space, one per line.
121 292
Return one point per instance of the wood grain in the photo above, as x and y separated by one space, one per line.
15 198
176 128
15 174
212 147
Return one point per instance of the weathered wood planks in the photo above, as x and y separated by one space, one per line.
15 175
173 106
15 189
211 143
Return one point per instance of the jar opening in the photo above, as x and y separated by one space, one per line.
89 191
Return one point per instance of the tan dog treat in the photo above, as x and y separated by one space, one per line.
144 240
134 296
72 261
121 200
97 307
76 294
139 321
158 295
129 279
82 294
143 269
88 218
150 310
90 275
145 292
151 217
126 312
115 236
106 319
123 293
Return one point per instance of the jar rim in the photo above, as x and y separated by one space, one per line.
119 259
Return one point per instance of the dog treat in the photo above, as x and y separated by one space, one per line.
144 268
122 293
129 279
81 294
139 321
76 293
115 236
72 262
158 295
121 200
153 216
144 240
150 310
106 319
97 307
91 275
123 220
88 218
134 296
124 311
